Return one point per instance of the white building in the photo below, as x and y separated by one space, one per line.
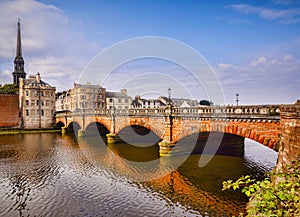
119 100
139 102
63 101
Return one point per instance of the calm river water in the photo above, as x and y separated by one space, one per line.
49 174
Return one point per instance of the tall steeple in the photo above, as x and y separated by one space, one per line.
19 61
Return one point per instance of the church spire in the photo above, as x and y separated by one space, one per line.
19 61
19 45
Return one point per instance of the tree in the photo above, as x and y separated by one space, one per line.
276 195
205 102
9 89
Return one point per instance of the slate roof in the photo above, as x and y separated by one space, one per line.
117 95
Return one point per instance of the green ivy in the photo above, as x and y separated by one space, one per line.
276 195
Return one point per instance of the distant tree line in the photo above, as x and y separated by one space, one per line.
205 102
9 89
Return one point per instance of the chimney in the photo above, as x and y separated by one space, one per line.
124 91
38 78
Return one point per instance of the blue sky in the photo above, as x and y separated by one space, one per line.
253 46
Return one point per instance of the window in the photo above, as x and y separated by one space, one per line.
42 102
42 112
37 102
27 93
32 102
120 100
27 102
82 97
51 93
27 112
42 93
126 100
110 100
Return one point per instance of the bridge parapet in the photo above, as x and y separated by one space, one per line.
254 113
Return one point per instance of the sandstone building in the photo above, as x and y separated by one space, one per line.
86 97
37 102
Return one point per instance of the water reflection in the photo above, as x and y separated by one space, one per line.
52 175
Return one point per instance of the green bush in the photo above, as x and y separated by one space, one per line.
9 89
276 195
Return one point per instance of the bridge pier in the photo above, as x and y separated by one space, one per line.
112 138
81 133
64 130
165 148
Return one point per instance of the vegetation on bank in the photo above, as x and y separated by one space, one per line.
22 131
276 195
9 89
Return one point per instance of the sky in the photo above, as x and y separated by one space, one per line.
252 47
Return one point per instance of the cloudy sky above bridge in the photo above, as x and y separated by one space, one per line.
253 46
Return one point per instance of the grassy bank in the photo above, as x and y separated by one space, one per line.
19 131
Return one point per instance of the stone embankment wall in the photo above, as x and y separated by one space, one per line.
9 111
290 135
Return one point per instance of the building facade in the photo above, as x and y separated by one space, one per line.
63 101
118 100
139 102
37 102
86 97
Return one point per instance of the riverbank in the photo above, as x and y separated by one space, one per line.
23 131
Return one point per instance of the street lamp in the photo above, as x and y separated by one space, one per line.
237 99
169 93
170 114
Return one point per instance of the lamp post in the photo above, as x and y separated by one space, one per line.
169 93
237 99
170 114
113 116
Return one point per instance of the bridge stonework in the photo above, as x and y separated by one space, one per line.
275 126
289 148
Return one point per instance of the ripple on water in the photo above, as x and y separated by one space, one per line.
51 175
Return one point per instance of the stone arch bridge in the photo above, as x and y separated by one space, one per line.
270 125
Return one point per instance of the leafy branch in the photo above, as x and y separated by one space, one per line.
276 195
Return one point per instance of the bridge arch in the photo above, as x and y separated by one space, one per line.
74 125
59 124
96 127
158 132
227 144
139 134
268 137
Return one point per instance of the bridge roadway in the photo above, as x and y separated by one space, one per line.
262 123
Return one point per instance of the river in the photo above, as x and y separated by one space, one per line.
49 174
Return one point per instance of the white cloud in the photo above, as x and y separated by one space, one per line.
260 60
49 43
262 80
284 16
